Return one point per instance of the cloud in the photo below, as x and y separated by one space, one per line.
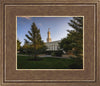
29 18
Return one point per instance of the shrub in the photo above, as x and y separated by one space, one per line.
53 54
59 53
48 52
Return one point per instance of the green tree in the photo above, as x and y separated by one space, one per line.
27 49
74 39
65 44
35 40
18 44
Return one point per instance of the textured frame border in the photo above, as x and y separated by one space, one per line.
45 81
96 34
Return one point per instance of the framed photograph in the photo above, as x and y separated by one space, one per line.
49 43
60 46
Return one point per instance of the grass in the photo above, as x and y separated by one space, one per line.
23 62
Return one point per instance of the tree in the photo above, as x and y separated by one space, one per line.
35 40
18 44
27 49
74 39
77 34
65 44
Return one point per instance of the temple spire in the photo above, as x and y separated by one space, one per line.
49 36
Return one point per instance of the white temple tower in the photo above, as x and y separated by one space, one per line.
49 36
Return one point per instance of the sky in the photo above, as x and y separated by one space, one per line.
58 27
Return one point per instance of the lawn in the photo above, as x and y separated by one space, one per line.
25 62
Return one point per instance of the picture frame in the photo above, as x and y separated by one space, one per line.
52 39
9 76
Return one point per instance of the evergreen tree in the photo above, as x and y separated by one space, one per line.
74 39
35 38
76 35
18 44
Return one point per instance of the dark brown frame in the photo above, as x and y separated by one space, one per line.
9 76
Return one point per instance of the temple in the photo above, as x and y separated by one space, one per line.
49 36
51 45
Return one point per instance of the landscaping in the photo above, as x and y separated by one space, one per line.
26 62
63 51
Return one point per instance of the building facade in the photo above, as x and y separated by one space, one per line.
51 45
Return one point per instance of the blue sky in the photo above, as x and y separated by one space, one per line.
58 27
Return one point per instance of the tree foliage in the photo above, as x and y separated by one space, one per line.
74 39
18 44
34 40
